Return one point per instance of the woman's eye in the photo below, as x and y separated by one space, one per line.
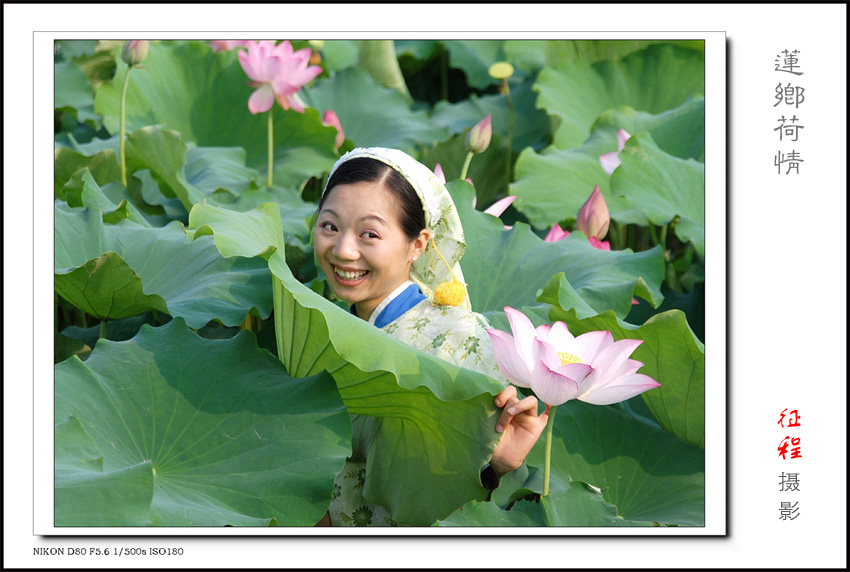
328 226
370 234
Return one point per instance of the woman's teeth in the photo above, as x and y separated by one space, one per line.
350 275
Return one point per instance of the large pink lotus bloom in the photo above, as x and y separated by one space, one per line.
611 161
278 73
330 119
559 367
593 218
227 45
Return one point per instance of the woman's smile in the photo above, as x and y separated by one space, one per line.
349 276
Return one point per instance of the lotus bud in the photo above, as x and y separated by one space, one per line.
478 138
135 51
593 217
330 119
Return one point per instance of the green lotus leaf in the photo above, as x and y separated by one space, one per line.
663 187
339 54
432 423
531 125
83 191
378 58
203 96
102 165
72 93
85 494
647 473
593 51
164 154
672 355
121 270
212 168
170 429
526 55
496 257
474 58
371 115
576 505
552 185
653 80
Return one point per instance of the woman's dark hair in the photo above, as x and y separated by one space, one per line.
367 170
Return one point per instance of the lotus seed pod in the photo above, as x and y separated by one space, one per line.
449 294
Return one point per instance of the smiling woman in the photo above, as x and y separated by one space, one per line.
387 235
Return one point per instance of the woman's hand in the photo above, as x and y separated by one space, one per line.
520 427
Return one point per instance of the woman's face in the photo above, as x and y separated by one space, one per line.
361 246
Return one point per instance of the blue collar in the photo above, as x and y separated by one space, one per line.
393 306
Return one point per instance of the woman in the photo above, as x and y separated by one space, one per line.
386 233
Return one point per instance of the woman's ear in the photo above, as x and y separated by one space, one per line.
420 243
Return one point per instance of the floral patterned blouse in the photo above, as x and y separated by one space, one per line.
450 333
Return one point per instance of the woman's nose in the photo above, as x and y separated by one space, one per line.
345 248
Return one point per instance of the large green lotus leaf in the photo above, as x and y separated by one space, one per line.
212 168
526 55
591 51
122 270
656 79
72 92
163 152
552 186
86 495
371 115
103 166
647 473
575 505
663 187
204 96
679 132
83 191
216 429
432 422
295 212
531 125
508 267
672 355
475 57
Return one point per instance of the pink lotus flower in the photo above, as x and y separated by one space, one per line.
593 217
556 234
611 161
559 367
438 170
278 72
500 206
227 45
330 119
478 138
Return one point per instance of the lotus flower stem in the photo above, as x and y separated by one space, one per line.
547 452
510 138
663 241
466 164
103 325
654 234
271 148
122 126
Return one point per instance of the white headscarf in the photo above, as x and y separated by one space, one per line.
441 218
